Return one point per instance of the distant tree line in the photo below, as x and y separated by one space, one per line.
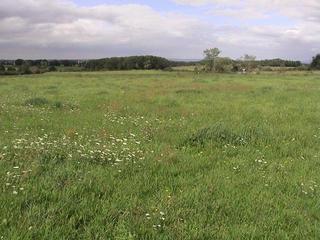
278 63
211 63
43 62
21 66
184 63
214 63
128 63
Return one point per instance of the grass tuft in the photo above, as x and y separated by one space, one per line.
217 133
36 102
53 159
188 91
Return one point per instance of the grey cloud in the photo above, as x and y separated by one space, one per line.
49 27
61 29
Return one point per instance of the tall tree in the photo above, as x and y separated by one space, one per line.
249 61
211 55
248 57
315 64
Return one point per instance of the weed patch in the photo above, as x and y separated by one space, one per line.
36 102
64 106
218 134
222 135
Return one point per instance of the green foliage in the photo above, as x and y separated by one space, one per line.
315 64
223 65
52 69
128 63
11 69
249 58
35 70
211 63
210 57
19 62
248 62
278 63
25 69
211 54
184 63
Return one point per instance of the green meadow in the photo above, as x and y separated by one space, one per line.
160 155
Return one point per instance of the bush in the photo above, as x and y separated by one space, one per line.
19 62
52 69
11 69
235 68
35 70
25 69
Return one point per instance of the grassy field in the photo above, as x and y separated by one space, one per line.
160 155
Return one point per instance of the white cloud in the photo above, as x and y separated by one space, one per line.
307 10
52 26
62 29
303 36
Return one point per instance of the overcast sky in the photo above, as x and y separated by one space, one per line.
170 28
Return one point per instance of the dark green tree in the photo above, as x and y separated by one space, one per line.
315 64
11 69
52 69
210 55
128 63
19 62
25 69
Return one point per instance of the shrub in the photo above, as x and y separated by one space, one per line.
19 62
52 69
35 70
25 69
11 69
223 65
